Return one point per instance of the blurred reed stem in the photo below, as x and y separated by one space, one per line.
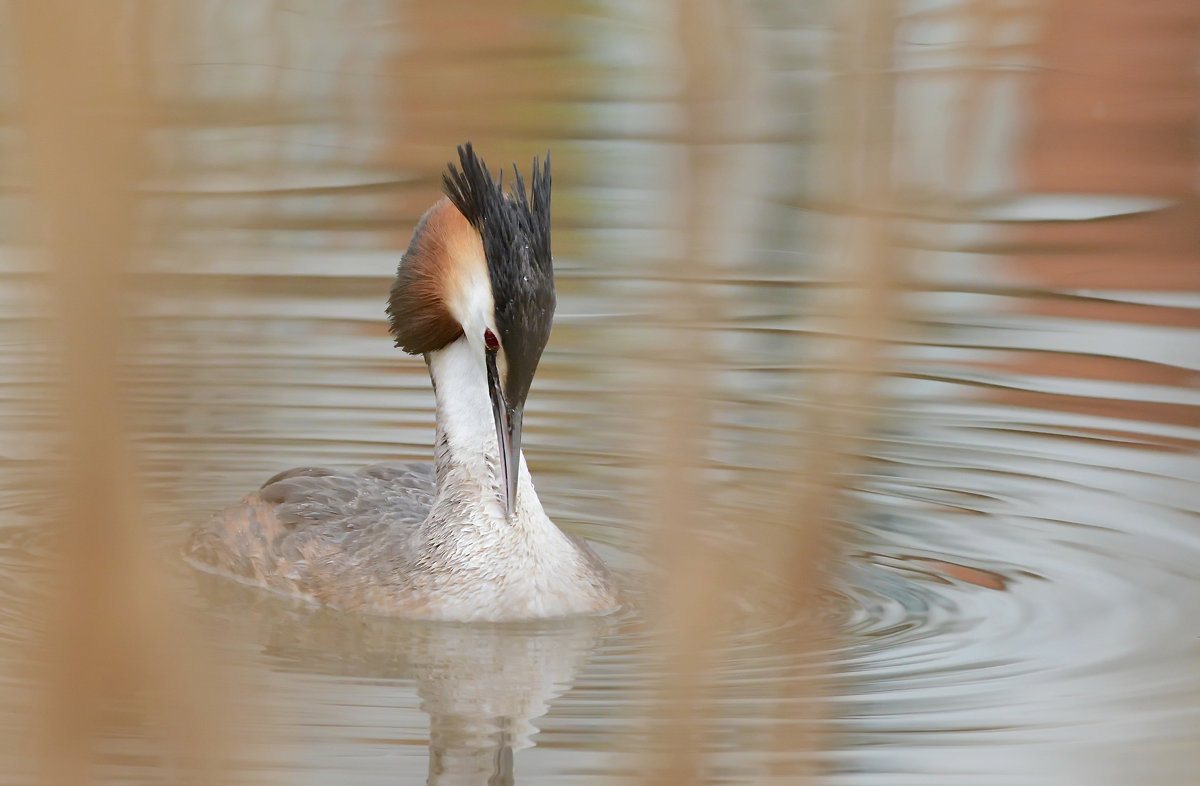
860 250
690 601
793 546
111 640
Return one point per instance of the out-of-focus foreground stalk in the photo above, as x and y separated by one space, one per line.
860 253
110 641
691 602
793 543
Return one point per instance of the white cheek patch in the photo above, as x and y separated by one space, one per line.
477 306
467 290
473 307
466 277
469 300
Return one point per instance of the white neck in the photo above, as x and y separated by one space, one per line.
473 562
469 477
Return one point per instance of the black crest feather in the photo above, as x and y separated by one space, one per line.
504 222
515 229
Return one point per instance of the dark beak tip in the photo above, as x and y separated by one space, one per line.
513 463
508 436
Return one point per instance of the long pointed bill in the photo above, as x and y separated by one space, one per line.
508 435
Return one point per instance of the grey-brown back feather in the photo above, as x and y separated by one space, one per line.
387 494
336 537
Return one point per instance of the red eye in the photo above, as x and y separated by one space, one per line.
490 341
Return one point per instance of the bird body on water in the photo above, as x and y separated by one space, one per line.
465 537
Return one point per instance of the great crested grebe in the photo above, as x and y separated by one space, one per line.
464 537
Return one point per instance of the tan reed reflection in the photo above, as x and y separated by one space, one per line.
790 547
860 250
112 641
690 611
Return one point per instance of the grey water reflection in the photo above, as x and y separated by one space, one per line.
482 687
1017 604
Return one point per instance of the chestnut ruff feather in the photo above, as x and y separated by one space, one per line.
418 312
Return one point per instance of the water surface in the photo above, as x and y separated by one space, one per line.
1015 603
